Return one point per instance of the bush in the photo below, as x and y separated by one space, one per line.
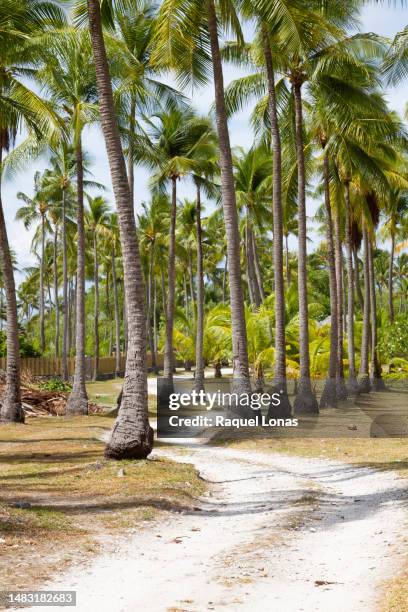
55 384
26 348
393 340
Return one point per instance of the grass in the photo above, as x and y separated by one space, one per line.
58 495
106 392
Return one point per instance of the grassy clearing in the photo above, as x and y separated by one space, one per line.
106 392
59 497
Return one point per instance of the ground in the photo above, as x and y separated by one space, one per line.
240 503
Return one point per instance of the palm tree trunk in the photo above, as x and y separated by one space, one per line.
352 383
357 280
305 401
280 382
96 308
57 314
241 382
65 312
377 382
42 263
155 316
257 265
199 370
338 255
78 400
11 410
168 349
117 316
288 272
224 280
329 395
131 149
150 303
132 436
391 280
364 377
249 256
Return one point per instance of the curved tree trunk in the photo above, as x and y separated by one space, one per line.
305 401
199 370
78 400
168 386
132 436
352 383
329 395
57 314
364 376
280 382
241 379
257 265
377 382
42 309
391 280
11 410
224 280
117 316
96 308
65 310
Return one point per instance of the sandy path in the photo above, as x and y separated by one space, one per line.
246 550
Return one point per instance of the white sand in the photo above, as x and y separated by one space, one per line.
238 552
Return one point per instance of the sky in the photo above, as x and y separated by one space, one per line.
384 20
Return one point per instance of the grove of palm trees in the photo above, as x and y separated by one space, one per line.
276 259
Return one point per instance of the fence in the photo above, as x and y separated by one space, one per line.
51 366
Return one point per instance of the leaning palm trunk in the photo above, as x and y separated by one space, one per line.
364 378
280 382
241 379
168 386
11 410
377 382
132 436
199 370
65 318
117 318
305 401
329 395
42 263
78 400
352 384
96 307
338 255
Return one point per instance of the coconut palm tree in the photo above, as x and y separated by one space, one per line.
35 209
176 140
184 32
19 105
132 436
96 222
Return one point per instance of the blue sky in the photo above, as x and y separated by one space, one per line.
385 20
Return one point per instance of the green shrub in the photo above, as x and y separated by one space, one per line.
55 384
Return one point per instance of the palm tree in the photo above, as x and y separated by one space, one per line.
36 209
96 221
19 105
132 436
182 36
176 139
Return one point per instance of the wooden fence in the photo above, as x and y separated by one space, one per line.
51 366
